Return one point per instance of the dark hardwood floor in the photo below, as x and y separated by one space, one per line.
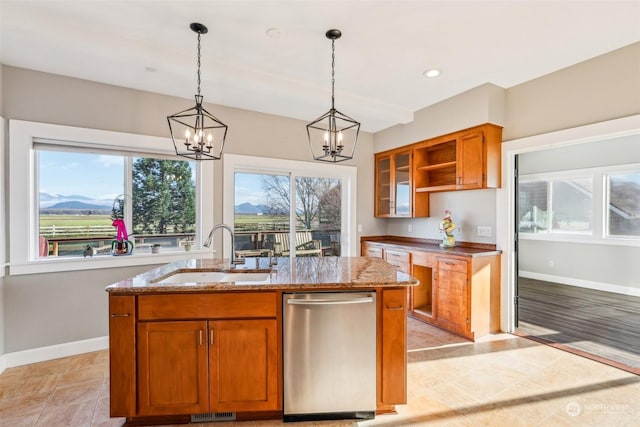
603 324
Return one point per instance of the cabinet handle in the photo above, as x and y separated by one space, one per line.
210 336
200 336
119 314
396 308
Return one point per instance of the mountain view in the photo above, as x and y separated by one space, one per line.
81 205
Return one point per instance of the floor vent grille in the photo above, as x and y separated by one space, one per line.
213 416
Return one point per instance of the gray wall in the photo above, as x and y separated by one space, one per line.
46 309
603 263
603 88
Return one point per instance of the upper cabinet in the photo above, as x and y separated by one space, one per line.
394 190
463 160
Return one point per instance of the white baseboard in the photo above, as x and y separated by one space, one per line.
51 352
598 286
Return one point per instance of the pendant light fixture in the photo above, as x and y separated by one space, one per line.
196 133
333 136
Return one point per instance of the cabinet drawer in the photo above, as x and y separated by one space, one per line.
396 256
424 259
457 265
207 306
372 251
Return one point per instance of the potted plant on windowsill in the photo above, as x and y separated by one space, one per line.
155 248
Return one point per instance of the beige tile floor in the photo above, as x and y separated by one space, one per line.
500 381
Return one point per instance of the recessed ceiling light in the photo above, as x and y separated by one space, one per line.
433 72
273 33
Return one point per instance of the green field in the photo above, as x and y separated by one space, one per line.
74 220
241 221
261 222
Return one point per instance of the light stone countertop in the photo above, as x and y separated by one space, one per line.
308 273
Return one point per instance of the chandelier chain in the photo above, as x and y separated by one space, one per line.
333 72
198 63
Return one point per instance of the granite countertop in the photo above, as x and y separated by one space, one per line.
464 249
289 273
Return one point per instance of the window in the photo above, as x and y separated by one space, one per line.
623 204
600 204
290 208
263 212
72 183
81 194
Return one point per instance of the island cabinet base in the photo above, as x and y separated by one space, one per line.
177 354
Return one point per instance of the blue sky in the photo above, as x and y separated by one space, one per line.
249 189
92 175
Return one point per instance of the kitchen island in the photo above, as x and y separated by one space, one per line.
196 338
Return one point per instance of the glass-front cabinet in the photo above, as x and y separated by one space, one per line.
393 184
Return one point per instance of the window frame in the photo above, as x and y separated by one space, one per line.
626 169
295 168
600 206
23 185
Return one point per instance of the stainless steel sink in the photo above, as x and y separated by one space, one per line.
215 277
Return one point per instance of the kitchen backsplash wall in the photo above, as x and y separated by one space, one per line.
469 209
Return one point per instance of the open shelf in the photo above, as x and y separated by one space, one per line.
427 168
436 188
424 309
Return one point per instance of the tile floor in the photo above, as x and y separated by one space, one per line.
500 381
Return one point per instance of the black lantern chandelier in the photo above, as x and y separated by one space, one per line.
196 133
333 136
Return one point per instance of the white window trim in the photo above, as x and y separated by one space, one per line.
3 203
235 162
22 222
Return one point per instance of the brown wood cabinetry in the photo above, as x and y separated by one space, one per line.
394 195
400 259
393 325
464 160
370 250
238 356
452 285
459 293
178 354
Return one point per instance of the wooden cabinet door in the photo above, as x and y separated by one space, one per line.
172 368
243 365
402 190
470 163
393 364
383 188
122 359
393 189
452 293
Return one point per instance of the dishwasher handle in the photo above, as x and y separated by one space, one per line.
319 301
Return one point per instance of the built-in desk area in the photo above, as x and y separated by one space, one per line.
459 287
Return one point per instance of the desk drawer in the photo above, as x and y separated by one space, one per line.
451 264
221 305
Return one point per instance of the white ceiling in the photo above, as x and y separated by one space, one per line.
384 49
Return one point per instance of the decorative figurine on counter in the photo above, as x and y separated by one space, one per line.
122 245
446 228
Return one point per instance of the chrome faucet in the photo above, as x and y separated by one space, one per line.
232 258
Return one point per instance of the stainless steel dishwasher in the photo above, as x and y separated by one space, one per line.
329 352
